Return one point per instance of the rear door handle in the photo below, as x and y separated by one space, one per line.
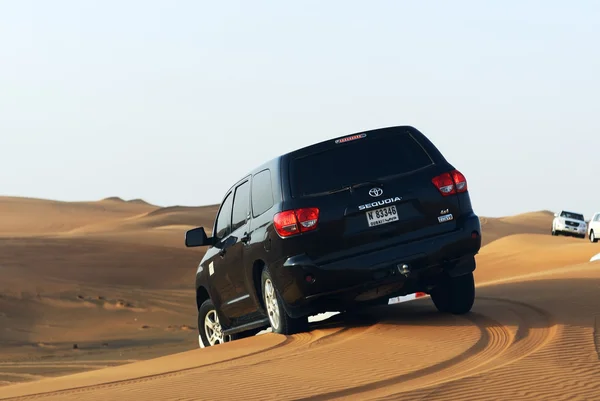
245 238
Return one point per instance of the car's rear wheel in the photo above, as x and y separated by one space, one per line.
593 237
280 321
210 331
455 294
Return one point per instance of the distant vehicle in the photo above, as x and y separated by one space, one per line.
569 223
594 228
343 223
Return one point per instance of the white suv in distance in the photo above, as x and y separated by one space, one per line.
569 223
594 228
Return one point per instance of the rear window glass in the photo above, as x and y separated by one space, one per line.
356 162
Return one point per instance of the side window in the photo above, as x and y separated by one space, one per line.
597 217
262 193
223 226
240 206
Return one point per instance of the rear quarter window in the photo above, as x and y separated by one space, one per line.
262 192
362 160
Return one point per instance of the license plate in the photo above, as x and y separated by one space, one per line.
381 216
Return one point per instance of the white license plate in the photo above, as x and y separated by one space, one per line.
381 216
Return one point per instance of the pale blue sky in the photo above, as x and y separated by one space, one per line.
172 101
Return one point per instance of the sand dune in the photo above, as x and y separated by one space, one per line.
527 223
113 277
27 216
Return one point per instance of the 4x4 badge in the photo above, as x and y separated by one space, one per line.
375 192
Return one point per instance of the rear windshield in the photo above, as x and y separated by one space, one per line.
355 162
574 216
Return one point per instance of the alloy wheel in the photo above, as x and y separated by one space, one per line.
271 304
213 329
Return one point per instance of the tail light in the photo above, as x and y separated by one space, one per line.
291 222
450 183
460 182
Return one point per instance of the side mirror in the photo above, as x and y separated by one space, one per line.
197 237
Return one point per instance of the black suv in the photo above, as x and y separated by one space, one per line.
340 224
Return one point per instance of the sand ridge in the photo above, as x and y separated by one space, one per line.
115 279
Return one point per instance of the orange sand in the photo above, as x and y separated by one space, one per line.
114 278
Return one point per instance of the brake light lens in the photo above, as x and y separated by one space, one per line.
444 184
450 183
460 182
307 218
291 222
286 223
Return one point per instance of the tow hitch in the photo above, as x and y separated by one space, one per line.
403 269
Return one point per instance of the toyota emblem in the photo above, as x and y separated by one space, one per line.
375 192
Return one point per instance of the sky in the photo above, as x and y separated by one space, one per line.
173 101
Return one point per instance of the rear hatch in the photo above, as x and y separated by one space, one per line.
373 191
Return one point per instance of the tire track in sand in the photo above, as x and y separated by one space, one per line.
291 344
493 340
597 335
536 328
501 333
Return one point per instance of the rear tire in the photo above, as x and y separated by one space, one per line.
455 295
281 323
593 238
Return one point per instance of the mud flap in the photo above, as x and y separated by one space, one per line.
464 266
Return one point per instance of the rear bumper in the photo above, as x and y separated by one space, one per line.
375 276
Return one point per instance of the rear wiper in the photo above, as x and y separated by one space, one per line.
352 187
345 188
362 184
333 191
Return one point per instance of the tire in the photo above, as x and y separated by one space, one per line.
209 336
281 323
455 295
593 238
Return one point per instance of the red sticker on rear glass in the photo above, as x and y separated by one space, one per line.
350 138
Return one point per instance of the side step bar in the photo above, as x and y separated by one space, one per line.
248 326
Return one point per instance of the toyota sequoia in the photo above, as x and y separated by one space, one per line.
344 223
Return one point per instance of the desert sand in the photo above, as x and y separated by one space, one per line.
97 303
